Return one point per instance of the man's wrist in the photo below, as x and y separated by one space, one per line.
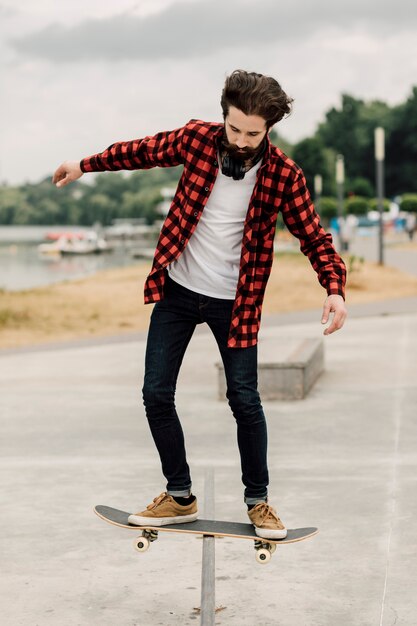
336 293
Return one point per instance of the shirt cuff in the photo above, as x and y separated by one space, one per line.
336 291
85 165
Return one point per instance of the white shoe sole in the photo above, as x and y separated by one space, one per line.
265 533
137 520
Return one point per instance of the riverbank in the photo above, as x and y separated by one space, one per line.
111 301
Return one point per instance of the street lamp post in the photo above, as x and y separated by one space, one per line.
340 181
318 188
379 161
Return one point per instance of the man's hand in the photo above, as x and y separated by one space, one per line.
336 305
67 173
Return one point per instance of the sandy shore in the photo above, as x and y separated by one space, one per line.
111 302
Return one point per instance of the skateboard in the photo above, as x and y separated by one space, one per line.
205 528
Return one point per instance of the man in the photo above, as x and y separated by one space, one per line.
211 264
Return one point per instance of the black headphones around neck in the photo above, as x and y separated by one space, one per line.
235 168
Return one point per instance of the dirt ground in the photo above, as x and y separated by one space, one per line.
406 245
111 302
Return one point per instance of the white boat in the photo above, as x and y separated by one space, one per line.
68 244
59 242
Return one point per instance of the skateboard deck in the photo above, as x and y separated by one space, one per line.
203 527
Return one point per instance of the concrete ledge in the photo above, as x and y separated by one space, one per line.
287 370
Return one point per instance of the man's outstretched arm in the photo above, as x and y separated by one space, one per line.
164 149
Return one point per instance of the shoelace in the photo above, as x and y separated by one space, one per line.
267 512
157 500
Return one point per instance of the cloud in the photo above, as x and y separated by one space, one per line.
7 11
185 29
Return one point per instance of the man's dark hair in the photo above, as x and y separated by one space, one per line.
255 94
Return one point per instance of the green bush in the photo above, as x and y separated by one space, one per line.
373 204
327 207
361 187
357 205
409 202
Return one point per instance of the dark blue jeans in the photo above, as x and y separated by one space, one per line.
172 324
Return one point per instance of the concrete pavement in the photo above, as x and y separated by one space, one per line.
404 259
344 459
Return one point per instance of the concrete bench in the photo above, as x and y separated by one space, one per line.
287 368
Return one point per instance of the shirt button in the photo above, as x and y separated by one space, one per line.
206 189
195 213
215 163
182 242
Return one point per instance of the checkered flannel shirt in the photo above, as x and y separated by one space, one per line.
280 186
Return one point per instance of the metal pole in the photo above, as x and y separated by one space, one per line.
208 595
380 192
318 188
340 180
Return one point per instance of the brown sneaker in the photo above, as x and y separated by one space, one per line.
164 510
266 521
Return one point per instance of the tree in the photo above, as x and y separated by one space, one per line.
278 140
310 155
339 132
350 131
142 204
12 202
98 207
401 150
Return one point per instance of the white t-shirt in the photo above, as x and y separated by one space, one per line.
210 262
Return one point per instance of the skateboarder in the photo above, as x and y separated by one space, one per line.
211 264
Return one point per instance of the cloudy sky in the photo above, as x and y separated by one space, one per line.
78 76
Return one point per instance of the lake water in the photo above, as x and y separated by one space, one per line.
21 267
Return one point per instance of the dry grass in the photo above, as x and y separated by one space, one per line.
294 286
405 245
111 302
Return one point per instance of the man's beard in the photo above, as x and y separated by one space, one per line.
244 154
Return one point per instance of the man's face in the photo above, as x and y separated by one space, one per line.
244 133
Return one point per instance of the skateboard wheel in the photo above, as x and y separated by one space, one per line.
263 555
141 544
272 547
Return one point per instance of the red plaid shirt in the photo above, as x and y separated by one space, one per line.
280 186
